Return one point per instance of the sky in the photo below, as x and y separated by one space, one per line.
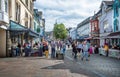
68 12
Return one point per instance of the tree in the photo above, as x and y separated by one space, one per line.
60 31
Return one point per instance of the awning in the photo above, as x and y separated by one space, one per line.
3 27
84 37
15 27
112 35
88 38
96 38
33 33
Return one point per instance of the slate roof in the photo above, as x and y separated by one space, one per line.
87 20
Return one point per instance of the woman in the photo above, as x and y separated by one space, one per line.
90 50
74 49
106 48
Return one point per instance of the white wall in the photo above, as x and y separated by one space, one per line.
84 30
107 16
73 33
3 14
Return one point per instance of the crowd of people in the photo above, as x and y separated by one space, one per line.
38 48
83 49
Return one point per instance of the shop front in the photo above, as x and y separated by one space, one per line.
18 34
113 41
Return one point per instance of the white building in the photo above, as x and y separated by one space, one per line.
84 29
105 20
73 33
4 20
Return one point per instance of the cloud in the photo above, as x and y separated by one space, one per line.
69 12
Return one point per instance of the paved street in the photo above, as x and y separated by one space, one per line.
98 66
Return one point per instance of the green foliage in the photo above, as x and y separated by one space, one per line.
60 31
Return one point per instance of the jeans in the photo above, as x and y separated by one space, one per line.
75 55
85 54
53 53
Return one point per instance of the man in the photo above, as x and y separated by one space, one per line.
85 51
52 49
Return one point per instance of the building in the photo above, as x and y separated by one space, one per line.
73 33
116 7
105 21
37 23
95 29
84 29
43 27
116 34
20 28
4 21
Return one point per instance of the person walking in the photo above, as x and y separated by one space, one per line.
80 48
41 49
85 51
90 50
106 48
46 50
74 49
64 48
52 49
18 51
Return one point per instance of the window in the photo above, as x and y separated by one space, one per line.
31 6
10 9
26 1
117 24
116 10
106 25
26 19
0 4
17 12
6 6
26 24
30 22
95 25
92 27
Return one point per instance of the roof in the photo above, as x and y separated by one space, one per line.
108 3
84 22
